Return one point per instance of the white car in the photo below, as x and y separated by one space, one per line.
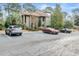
13 29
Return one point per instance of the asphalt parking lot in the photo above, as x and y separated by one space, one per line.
39 44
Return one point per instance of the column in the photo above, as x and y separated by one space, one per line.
45 22
30 21
37 22
22 19
41 21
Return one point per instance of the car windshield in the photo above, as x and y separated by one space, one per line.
50 28
14 26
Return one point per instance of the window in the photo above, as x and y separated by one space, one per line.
43 19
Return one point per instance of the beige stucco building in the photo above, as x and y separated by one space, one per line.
34 20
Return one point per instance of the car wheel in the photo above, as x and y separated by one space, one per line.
56 33
10 34
69 32
20 34
6 33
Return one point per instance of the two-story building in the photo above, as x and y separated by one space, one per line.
34 20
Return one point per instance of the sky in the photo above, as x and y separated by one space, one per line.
67 7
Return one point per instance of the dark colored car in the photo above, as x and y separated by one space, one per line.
50 30
65 30
13 29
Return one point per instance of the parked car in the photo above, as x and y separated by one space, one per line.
65 30
50 30
13 29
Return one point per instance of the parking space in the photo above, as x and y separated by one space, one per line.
31 36
32 43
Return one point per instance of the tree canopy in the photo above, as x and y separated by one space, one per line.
29 7
57 18
48 9
76 16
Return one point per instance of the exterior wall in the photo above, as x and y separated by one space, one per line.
48 21
43 21
27 21
32 21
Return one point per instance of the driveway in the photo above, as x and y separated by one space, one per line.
39 44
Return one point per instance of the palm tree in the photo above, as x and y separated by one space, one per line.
29 7
13 10
48 9
12 7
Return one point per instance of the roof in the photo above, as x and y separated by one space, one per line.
36 13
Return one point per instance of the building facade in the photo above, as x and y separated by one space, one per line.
34 20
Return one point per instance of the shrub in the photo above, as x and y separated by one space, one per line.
68 24
1 26
24 26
